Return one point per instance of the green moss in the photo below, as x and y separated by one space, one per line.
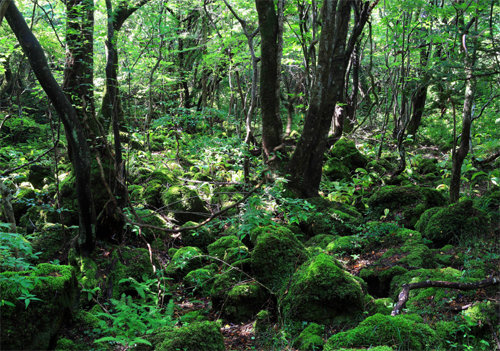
219 247
200 237
408 202
194 316
185 204
185 260
276 256
311 338
244 301
482 315
65 344
151 194
347 245
195 336
200 280
34 327
342 159
86 319
332 218
320 240
152 218
403 332
453 223
321 291
223 283
50 242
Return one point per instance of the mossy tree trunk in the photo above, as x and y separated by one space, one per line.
77 142
271 47
335 48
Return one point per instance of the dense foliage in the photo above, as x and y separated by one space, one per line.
217 174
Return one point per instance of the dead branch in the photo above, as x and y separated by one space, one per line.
405 292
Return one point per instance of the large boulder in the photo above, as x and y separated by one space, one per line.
195 336
343 159
184 203
404 202
276 256
451 224
32 322
405 332
322 291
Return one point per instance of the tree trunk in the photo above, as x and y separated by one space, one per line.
305 166
459 155
77 142
272 127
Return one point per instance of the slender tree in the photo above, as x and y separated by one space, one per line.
335 49
75 135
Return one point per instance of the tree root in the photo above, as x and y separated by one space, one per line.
405 292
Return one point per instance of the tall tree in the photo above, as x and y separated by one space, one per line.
271 34
77 142
335 49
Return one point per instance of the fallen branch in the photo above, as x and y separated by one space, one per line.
405 292
209 219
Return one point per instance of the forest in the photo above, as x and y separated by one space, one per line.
205 175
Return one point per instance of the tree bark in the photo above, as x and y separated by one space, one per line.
272 127
77 142
459 155
305 166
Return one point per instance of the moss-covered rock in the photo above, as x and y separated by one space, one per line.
195 336
404 332
185 204
185 260
219 247
200 280
276 256
35 326
320 240
347 245
342 159
321 291
453 223
50 241
311 338
332 218
407 202
244 301
200 237
65 344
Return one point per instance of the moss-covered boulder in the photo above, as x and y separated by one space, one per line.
404 332
321 291
200 280
331 217
185 260
195 336
454 223
350 244
200 237
405 202
219 247
50 241
342 159
131 264
320 240
244 301
30 324
65 344
311 338
276 256
184 203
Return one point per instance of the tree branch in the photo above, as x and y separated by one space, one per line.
405 292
